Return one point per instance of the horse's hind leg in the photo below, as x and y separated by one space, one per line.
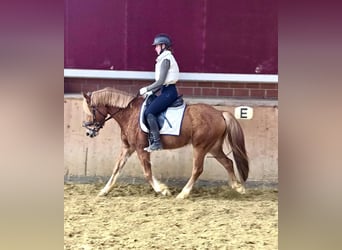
227 163
126 152
197 169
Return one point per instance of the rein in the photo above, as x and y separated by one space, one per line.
108 118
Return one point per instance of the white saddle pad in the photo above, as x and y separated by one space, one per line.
174 116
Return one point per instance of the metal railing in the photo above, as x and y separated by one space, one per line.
149 75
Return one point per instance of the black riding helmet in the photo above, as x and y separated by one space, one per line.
162 39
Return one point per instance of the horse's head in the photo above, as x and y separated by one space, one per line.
95 116
101 103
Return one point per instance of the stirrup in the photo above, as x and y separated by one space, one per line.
153 147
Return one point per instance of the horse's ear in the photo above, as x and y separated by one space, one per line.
87 96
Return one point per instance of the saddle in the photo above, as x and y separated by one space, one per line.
170 120
162 116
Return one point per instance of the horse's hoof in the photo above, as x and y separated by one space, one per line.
238 187
182 196
166 192
241 189
102 193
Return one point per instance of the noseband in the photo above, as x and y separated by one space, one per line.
94 127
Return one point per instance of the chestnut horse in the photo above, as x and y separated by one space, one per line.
205 127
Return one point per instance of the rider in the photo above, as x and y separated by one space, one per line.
166 76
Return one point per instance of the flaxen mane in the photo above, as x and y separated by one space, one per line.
111 97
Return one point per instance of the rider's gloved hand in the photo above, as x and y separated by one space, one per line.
143 91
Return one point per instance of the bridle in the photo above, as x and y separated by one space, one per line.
92 127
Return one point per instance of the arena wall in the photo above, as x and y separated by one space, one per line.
92 159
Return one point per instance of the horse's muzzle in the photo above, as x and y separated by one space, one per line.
92 129
91 133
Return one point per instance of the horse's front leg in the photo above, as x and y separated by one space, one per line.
145 160
126 152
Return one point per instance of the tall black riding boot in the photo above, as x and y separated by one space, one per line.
154 133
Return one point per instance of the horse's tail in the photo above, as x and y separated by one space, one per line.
236 141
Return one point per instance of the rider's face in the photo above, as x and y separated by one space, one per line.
158 48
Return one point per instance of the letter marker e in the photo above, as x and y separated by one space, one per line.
243 112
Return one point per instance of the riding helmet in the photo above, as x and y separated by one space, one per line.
162 39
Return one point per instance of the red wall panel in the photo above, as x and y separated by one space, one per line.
217 36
